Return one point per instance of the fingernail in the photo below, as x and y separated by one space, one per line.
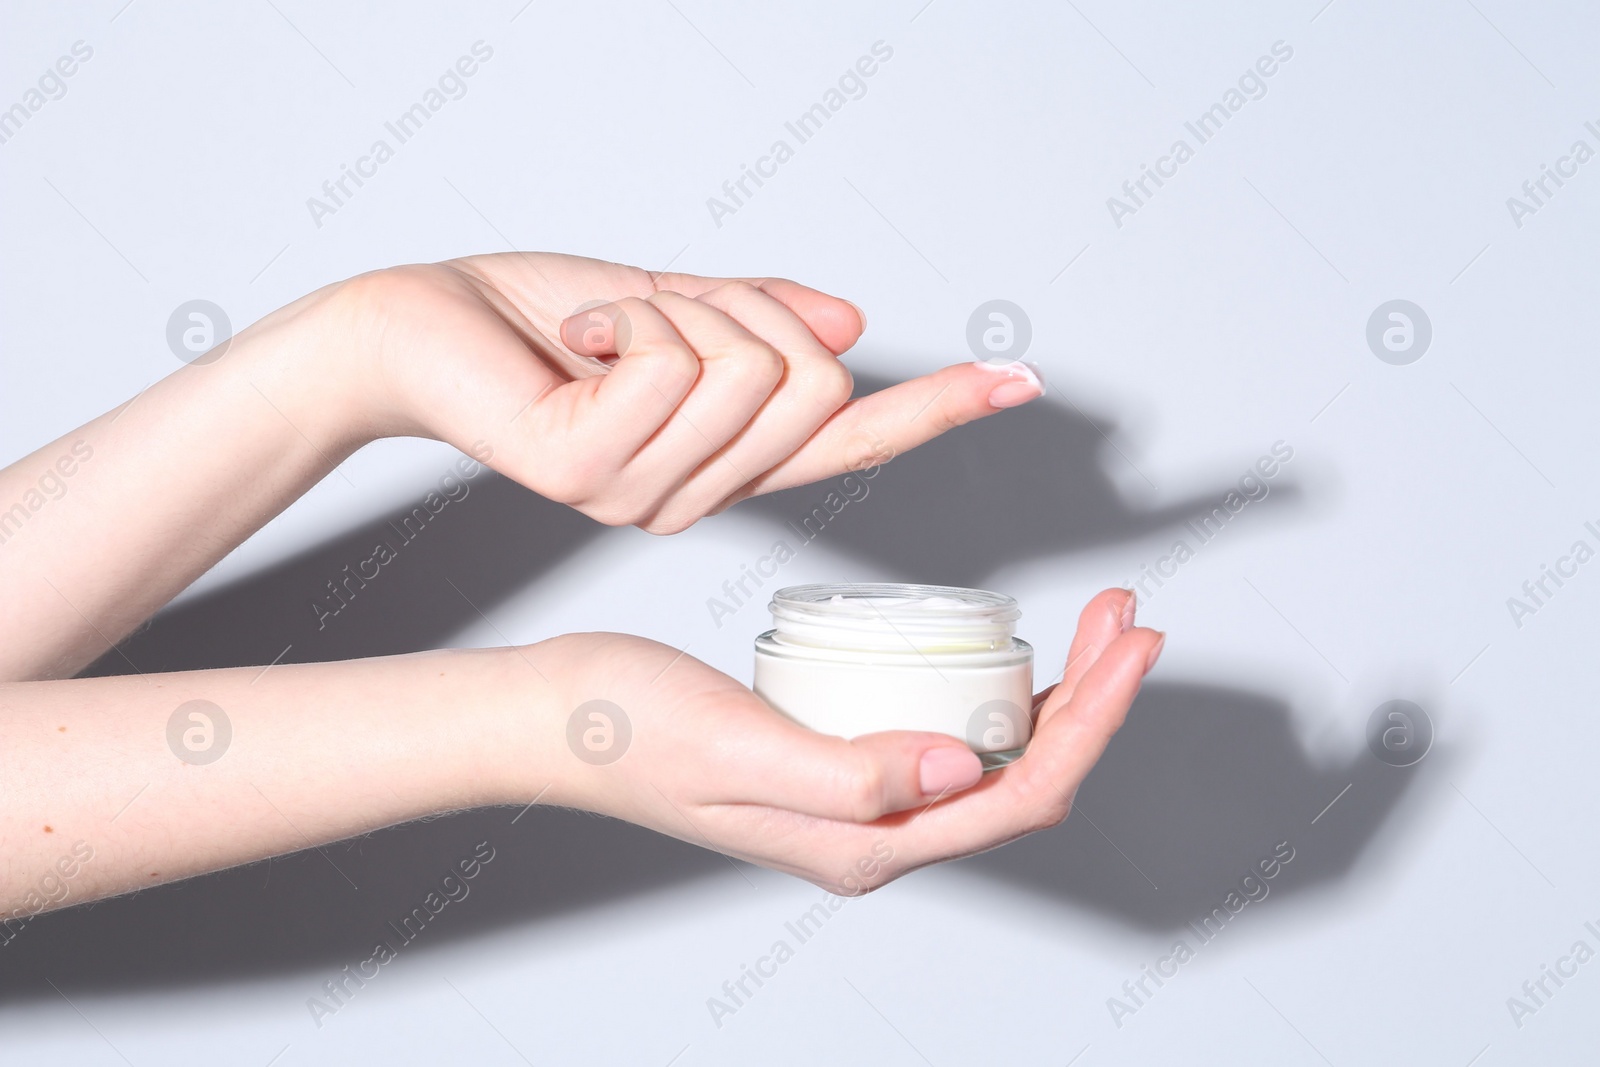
859 312
1026 383
948 769
1155 653
1012 394
1129 606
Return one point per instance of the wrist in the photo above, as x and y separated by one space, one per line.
319 362
285 371
362 335
523 737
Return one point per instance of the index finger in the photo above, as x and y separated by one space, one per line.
873 429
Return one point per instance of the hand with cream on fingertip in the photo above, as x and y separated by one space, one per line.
646 399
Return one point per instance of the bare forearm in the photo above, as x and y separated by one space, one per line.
139 780
106 524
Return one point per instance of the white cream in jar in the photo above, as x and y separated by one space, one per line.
859 659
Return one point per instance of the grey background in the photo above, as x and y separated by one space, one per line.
1227 314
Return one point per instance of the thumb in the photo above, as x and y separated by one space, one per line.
861 780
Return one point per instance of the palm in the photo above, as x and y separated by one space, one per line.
712 764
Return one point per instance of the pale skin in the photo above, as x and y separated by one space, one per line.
675 397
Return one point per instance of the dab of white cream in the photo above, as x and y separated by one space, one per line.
1025 371
923 603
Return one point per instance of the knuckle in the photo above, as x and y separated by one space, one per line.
679 366
663 298
864 792
832 384
947 417
757 366
742 364
670 359
668 306
863 451
732 293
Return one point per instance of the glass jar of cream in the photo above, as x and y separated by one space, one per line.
857 659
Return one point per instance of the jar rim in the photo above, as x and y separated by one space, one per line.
893 616
842 599
905 657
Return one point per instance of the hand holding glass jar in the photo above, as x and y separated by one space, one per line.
709 762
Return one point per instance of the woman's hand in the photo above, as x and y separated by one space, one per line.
665 399
698 757
636 398
706 761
